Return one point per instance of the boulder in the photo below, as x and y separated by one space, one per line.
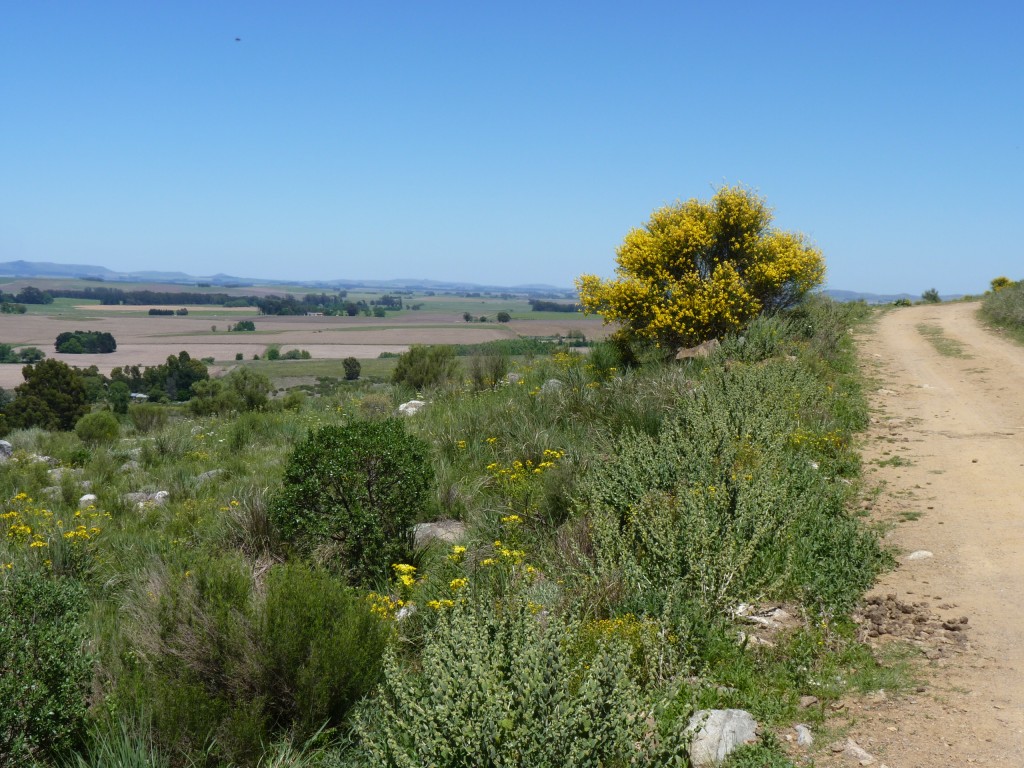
208 475
6 449
143 499
411 408
446 531
87 500
551 385
701 350
804 737
717 733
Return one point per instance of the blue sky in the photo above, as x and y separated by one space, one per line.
507 143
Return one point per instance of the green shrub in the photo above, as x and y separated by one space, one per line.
423 367
147 417
487 371
44 671
99 427
495 686
322 649
227 665
931 296
732 501
352 368
354 491
1005 307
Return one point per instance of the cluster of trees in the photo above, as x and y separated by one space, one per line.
501 317
27 295
8 354
175 379
12 308
242 325
117 296
328 304
542 305
85 342
166 312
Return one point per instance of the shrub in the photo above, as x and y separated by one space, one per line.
99 427
352 368
1005 307
426 366
496 687
322 649
146 417
239 356
931 296
998 283
354 491
273 352
487 371
731 500
45 673
227 665
504 317
243 325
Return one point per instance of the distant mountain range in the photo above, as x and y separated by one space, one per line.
46 269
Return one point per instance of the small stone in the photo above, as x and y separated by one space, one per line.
86 500
6 449
808 701
854 750
804 737
920 554
717 733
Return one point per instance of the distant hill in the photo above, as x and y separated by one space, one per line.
30 269
46 269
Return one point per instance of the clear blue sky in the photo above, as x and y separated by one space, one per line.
507 143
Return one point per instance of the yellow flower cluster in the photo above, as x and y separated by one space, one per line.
37 527
698 270
384 606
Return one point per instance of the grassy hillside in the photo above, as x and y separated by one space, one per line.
613 520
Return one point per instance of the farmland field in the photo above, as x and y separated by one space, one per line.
143 339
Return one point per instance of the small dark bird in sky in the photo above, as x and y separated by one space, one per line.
238 39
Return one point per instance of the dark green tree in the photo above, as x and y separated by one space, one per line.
426 366
352 368
355 490
53 396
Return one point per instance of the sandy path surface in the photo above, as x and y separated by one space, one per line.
947 443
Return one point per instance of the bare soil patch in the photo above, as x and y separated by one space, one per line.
946 455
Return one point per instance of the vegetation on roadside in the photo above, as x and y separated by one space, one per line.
1004 307
613 522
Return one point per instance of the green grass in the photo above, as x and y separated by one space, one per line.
944 345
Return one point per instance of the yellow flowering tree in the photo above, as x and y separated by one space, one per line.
700 269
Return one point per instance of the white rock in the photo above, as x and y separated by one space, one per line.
551 385
448 531
921 554
411 408
854 750
804 737
717 732
6 449
86 500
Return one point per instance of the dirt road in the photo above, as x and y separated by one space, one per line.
946 449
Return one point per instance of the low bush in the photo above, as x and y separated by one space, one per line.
425 367
44 670
496 686
147 417
99 427
1004 308
353 492
227 665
